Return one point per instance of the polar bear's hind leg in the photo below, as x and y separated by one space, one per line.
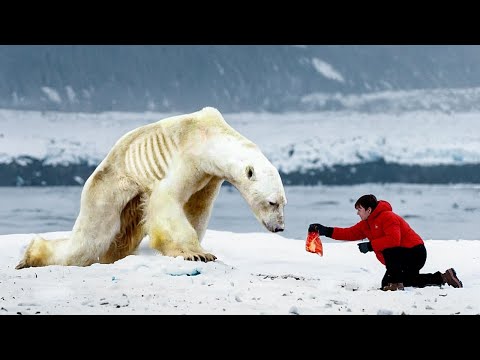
131 232
38 253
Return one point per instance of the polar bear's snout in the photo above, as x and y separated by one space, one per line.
274 225
270 213
277 227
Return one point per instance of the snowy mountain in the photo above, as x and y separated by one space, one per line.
236 78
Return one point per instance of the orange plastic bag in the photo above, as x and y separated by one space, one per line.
314 243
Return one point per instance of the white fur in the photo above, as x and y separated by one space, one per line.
176 167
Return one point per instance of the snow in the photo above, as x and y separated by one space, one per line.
255 273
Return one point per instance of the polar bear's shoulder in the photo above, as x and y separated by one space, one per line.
209 114
211 111
205 118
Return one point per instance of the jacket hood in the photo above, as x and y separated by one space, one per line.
381 207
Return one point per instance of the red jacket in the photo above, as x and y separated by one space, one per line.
383 228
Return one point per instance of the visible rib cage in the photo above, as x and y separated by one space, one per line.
131 232
150 157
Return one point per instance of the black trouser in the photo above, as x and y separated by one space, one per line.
404 264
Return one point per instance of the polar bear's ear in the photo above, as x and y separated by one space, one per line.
250 172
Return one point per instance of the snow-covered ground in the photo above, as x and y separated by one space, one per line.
255 273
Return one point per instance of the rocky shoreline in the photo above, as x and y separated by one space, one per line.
34 172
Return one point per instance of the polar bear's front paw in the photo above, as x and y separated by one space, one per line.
205 257
190 255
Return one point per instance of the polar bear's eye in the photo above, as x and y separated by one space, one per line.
249 171
272 203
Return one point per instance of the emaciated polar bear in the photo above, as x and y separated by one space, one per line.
161 180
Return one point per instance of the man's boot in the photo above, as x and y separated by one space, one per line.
393 287
450 277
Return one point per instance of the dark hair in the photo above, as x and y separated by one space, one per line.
367 201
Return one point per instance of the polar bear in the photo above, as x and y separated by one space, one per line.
161 180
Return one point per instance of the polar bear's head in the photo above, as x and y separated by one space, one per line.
259 182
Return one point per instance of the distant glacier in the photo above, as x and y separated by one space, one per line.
324 147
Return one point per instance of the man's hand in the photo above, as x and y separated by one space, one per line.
365 247
322 230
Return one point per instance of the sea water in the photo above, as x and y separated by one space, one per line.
438 212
